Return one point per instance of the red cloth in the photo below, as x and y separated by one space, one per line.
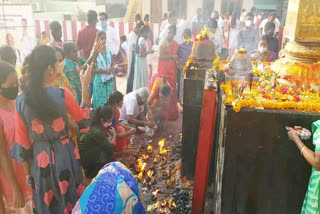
86 39
7 122
168 68
124 142
59 44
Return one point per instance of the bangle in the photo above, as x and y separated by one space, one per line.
303 148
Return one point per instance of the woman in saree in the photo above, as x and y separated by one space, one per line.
311 204
50 158
168 61
104 79
263 54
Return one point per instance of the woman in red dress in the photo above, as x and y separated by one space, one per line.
123 132
15 191
168 61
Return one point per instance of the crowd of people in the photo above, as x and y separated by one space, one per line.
69 118
255 31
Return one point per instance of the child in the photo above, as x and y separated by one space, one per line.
184 52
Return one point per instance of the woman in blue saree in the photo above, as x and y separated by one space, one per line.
104 79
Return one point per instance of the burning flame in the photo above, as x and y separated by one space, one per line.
162 150
171 204
140 176
161 142
150 173
149 149
163 203
144 182
155 194
156 205
144 156
141 166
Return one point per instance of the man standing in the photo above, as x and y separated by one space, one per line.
248 37
172 20
113 38
87 35
26 39
197 23
272 18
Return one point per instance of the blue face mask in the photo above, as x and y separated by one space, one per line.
104 25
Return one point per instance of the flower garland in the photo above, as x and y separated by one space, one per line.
216 62
204 34
280 98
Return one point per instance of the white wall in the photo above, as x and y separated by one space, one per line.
247 4
193 5
146 7
164 6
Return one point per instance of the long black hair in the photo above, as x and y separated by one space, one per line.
104 112
165 89
5 70
114 98
35 95
8 55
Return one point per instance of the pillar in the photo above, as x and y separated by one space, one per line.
302 31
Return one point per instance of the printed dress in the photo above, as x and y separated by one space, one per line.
56 174
311 204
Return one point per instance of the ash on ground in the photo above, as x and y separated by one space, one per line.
156 163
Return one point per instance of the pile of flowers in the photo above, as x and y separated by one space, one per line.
267 93
204 34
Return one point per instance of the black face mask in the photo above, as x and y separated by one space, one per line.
10 93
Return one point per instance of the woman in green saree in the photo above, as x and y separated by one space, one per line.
311 204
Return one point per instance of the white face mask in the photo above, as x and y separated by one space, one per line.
106 125
248 23
262 49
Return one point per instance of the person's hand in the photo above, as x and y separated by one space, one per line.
98 46
150 124
113 132
85 76
131 131
18 198
292 134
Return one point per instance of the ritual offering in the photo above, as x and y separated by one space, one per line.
270 89
303 133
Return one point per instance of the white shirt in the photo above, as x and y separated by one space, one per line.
276 22
130 106
164 25
220 23
131 46
26 44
